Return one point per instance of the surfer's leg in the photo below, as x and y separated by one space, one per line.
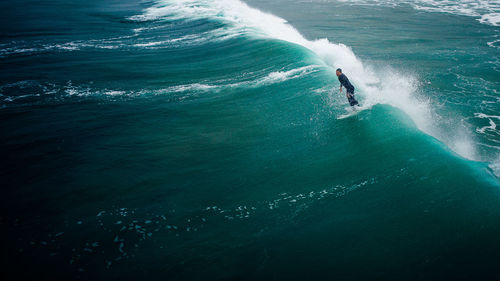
351 99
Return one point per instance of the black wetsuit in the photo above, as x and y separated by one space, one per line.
344 81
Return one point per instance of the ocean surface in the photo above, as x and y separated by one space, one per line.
208 140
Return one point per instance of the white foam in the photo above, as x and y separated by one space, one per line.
487 11
495 166
21 47
71 46
280 76
150 44
188 87
190 39
492 125
15 47
271 78
492 19
114 93
494 43
482 115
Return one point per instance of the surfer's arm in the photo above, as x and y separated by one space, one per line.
340 88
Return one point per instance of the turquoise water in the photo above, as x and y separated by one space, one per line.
204 140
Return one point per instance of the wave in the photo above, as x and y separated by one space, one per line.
386 86
374 85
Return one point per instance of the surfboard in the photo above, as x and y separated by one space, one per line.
351 111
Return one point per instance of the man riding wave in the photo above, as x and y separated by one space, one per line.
344 81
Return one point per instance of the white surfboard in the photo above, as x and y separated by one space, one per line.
351 111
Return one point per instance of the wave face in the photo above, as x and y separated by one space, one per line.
208 140
386 86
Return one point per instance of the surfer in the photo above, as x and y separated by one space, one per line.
348 87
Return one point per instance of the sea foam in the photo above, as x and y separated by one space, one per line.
485 11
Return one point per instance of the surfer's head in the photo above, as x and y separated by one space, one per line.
339 71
